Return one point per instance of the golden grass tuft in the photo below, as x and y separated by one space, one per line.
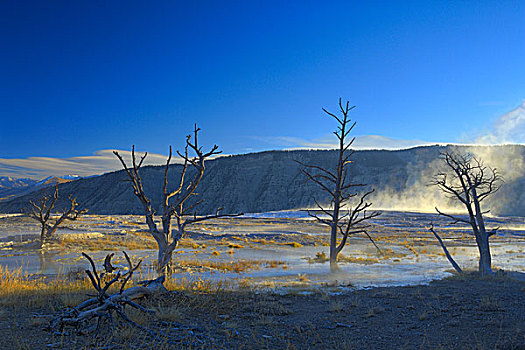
302 278
235 245
320 257
294 244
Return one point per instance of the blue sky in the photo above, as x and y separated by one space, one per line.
82 76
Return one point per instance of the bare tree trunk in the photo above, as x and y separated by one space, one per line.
43 236
163 260
333 239
485 263
165 255
333 258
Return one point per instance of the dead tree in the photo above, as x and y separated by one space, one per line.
173 202
102 308
42 211
343 217
467 180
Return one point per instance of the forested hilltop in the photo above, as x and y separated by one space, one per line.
272 180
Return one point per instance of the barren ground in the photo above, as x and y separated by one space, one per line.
455 313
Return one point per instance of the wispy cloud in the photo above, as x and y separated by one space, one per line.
100 162
329 142
509 128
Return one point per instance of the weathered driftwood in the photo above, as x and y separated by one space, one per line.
340 190
42 211
173 202
101 308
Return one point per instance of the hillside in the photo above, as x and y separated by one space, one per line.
272 180
10 187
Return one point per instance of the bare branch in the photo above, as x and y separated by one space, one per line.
449 257
323 186
208 217
321 220
325 171
129 274
455 219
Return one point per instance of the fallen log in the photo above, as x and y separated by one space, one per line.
101 307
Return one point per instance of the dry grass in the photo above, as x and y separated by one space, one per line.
233 318
108 242
236 266
235 245
293 244
264 241
136 240
320 257
16 289
302 278
357 260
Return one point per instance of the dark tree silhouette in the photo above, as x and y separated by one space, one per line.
467 180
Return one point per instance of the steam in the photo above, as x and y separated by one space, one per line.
508 161
509 128
419 195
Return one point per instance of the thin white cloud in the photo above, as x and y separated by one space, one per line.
100 162
361 142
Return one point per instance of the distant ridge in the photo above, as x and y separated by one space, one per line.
272 180
11 187
51 180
